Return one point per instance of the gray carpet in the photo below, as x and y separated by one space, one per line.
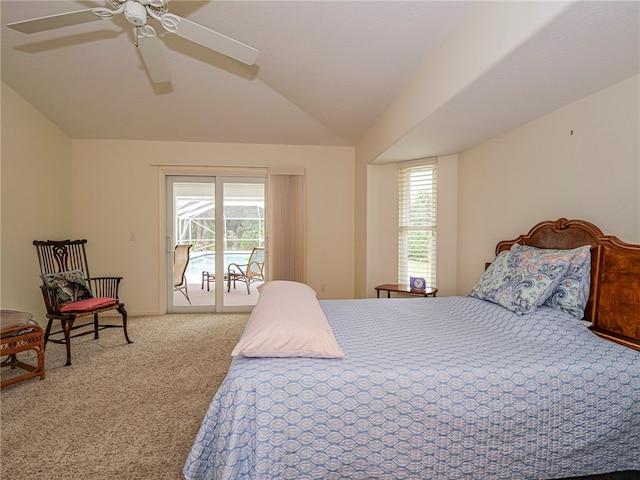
120 411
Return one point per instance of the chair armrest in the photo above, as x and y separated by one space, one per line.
260 267
50 295
105 286
237 266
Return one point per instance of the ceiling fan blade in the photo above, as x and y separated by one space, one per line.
152 54
215 41
55 21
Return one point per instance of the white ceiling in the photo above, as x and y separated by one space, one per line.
326 72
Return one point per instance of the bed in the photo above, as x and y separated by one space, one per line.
447 387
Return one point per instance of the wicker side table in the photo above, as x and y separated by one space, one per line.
19 333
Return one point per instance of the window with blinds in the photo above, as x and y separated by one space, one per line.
417 222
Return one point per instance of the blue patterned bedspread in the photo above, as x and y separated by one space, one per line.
452 388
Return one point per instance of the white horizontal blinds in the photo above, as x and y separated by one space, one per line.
417 222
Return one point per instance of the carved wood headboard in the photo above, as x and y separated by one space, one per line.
614 299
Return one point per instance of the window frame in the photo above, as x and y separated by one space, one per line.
424 172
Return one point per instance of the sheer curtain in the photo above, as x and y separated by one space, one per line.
286 242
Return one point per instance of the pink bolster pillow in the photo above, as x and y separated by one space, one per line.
287 321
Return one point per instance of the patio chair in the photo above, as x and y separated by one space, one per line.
70 292
19 333
252 271
180 263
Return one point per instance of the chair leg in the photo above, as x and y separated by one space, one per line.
66 328
96 325
12 361
208 278
40 352
185 289
123 312
47 332
229 279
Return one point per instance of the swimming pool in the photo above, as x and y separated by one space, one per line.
198 262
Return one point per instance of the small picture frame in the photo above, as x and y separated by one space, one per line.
417 283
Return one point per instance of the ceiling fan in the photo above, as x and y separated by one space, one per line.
137 13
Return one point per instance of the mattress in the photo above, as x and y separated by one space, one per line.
450 388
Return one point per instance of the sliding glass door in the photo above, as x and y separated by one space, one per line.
221 222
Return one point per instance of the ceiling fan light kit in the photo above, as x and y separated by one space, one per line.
137 13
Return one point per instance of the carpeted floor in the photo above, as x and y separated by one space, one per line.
120 411
123 412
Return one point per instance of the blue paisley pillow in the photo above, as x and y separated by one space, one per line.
521 281
572 293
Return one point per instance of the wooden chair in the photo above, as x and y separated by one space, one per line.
180 263
252 271
70 292
19 333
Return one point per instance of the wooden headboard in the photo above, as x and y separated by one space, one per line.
614 299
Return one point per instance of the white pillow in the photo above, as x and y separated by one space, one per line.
287 321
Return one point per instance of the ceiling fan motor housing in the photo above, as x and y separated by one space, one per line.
135 13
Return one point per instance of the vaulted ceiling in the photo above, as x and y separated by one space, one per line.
327 71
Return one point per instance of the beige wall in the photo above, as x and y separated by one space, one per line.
362 200
447 223
541 171
117 190
382 223
36 198
53 187
382 226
